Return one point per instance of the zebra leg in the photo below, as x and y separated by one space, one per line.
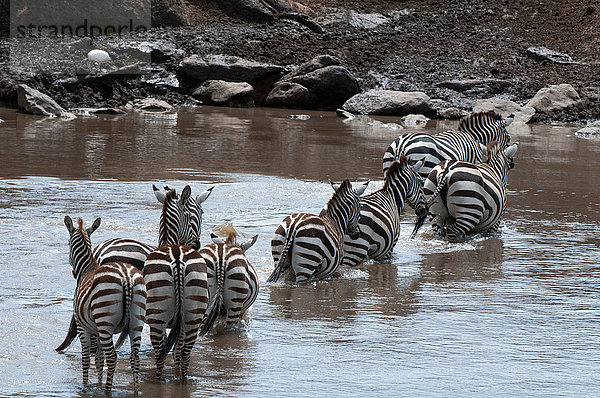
136 326
456 231
158 340
105 338
84 337
99 356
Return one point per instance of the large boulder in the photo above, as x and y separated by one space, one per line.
388 102
170 13
222 93
249 10
321 83
554 99
32 101
505 108
260 75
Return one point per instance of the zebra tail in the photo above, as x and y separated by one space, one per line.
440 187
70 337
212 312
173 335
279 268
126 308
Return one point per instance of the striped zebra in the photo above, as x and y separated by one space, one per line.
176 284
109 299
468 143
232 281
380 214
308 247
171 231
465 198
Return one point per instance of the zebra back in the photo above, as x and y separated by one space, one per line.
486 127
232 281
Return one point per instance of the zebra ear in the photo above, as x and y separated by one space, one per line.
417 166
185 194
216 238
360 190
204 195
248 244
334 185
160 195
510 119
69 224
511 150
94 226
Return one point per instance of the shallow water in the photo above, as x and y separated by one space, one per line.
516 314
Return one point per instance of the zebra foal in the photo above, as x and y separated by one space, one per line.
380 214
468 143
109 299
232 281
465 198
308 247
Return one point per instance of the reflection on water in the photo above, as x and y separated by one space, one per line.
514 314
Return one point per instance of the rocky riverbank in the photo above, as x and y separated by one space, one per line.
440 59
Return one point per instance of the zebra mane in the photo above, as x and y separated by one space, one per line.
396 166
467 123
86 239
345 186
228 231
80 224
492 150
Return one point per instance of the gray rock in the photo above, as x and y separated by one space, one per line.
250 10
545 54
553 99
589 130
476 86
452 113
228 68
413 120
505 108
98 111
321 83
150 104
290 95
169 13
368 21
32 101
387 102
220 92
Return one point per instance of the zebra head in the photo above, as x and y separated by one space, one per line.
230 237
344 207
177 225
80 246
487 127
501 160
193 206
404 182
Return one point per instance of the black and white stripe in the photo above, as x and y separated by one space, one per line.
308 247
467 143
109 299
177 288
465 198
380 214
232 281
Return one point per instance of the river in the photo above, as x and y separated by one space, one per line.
511 315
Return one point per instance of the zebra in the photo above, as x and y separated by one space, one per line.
464 198
232 281
171 231
380 213
109 298
308 247
177 289
468 143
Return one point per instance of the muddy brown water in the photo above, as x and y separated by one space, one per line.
512 315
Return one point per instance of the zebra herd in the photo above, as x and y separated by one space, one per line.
458 178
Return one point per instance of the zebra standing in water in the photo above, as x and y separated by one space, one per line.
464 197
109 298
380 213
467 144
135 253
232 281
307 247
177 289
